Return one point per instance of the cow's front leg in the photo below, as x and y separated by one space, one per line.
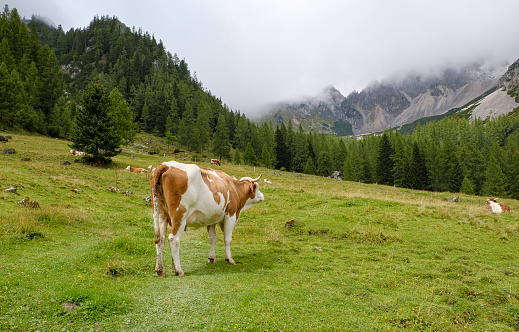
228 227
211 230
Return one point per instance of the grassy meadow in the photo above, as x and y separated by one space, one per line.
357 257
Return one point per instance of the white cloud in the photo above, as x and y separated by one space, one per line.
254 52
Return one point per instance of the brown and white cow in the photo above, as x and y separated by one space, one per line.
187 195
77 153
496 207
135 169
215 162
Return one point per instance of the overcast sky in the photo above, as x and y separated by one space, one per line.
253 52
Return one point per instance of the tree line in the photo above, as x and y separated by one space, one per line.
46 74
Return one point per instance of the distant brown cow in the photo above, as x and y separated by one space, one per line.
215 161
136 169
496 207
77 153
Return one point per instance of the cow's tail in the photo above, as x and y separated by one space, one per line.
157 200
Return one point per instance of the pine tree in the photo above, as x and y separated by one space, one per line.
282 156
249 156
384 161
266 158
351 170
467 187
324 162
203 128
451 173
300 152
123 116
495 184
237 157
419 178
310 166
401 165
241 134
514 176
221 145
95 128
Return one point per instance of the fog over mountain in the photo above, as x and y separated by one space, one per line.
251 53
401 100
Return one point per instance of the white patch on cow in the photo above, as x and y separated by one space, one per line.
496 207
170 237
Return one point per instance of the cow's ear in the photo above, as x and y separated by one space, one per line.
253 187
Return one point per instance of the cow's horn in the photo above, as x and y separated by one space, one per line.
256 179
247 178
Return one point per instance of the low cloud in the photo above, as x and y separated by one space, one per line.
251 53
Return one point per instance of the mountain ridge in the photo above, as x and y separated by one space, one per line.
398 101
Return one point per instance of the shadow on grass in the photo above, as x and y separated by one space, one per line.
250 262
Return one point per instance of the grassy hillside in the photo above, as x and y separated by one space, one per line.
358 257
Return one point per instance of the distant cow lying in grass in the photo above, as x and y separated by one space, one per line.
136 169
187 195
496 207
77 153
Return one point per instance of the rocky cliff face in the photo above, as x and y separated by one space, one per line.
392 103
510 79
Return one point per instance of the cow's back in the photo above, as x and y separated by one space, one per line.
202 192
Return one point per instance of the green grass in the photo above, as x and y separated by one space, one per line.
359 257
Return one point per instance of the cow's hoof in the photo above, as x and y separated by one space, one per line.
161 273
211 260
181 274
230 261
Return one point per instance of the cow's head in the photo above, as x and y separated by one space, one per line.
255 195
491 200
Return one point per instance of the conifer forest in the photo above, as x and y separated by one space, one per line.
45 71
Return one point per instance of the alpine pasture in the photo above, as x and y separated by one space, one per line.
353 257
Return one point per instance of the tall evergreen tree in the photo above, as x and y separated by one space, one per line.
266 158
310 166
95 127
401 163
384 161
221 145
451 173
203 128
419 178
249 156
495 183
123 116
324 162
282 156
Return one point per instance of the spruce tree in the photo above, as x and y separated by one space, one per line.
266 158
237 157
122 116
221 145
95 130
419 178
310 166
495 184
249 156
467 187
282 156
384 162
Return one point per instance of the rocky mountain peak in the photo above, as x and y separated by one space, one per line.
395 102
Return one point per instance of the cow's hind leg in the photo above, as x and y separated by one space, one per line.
174 245
211 230
160 223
